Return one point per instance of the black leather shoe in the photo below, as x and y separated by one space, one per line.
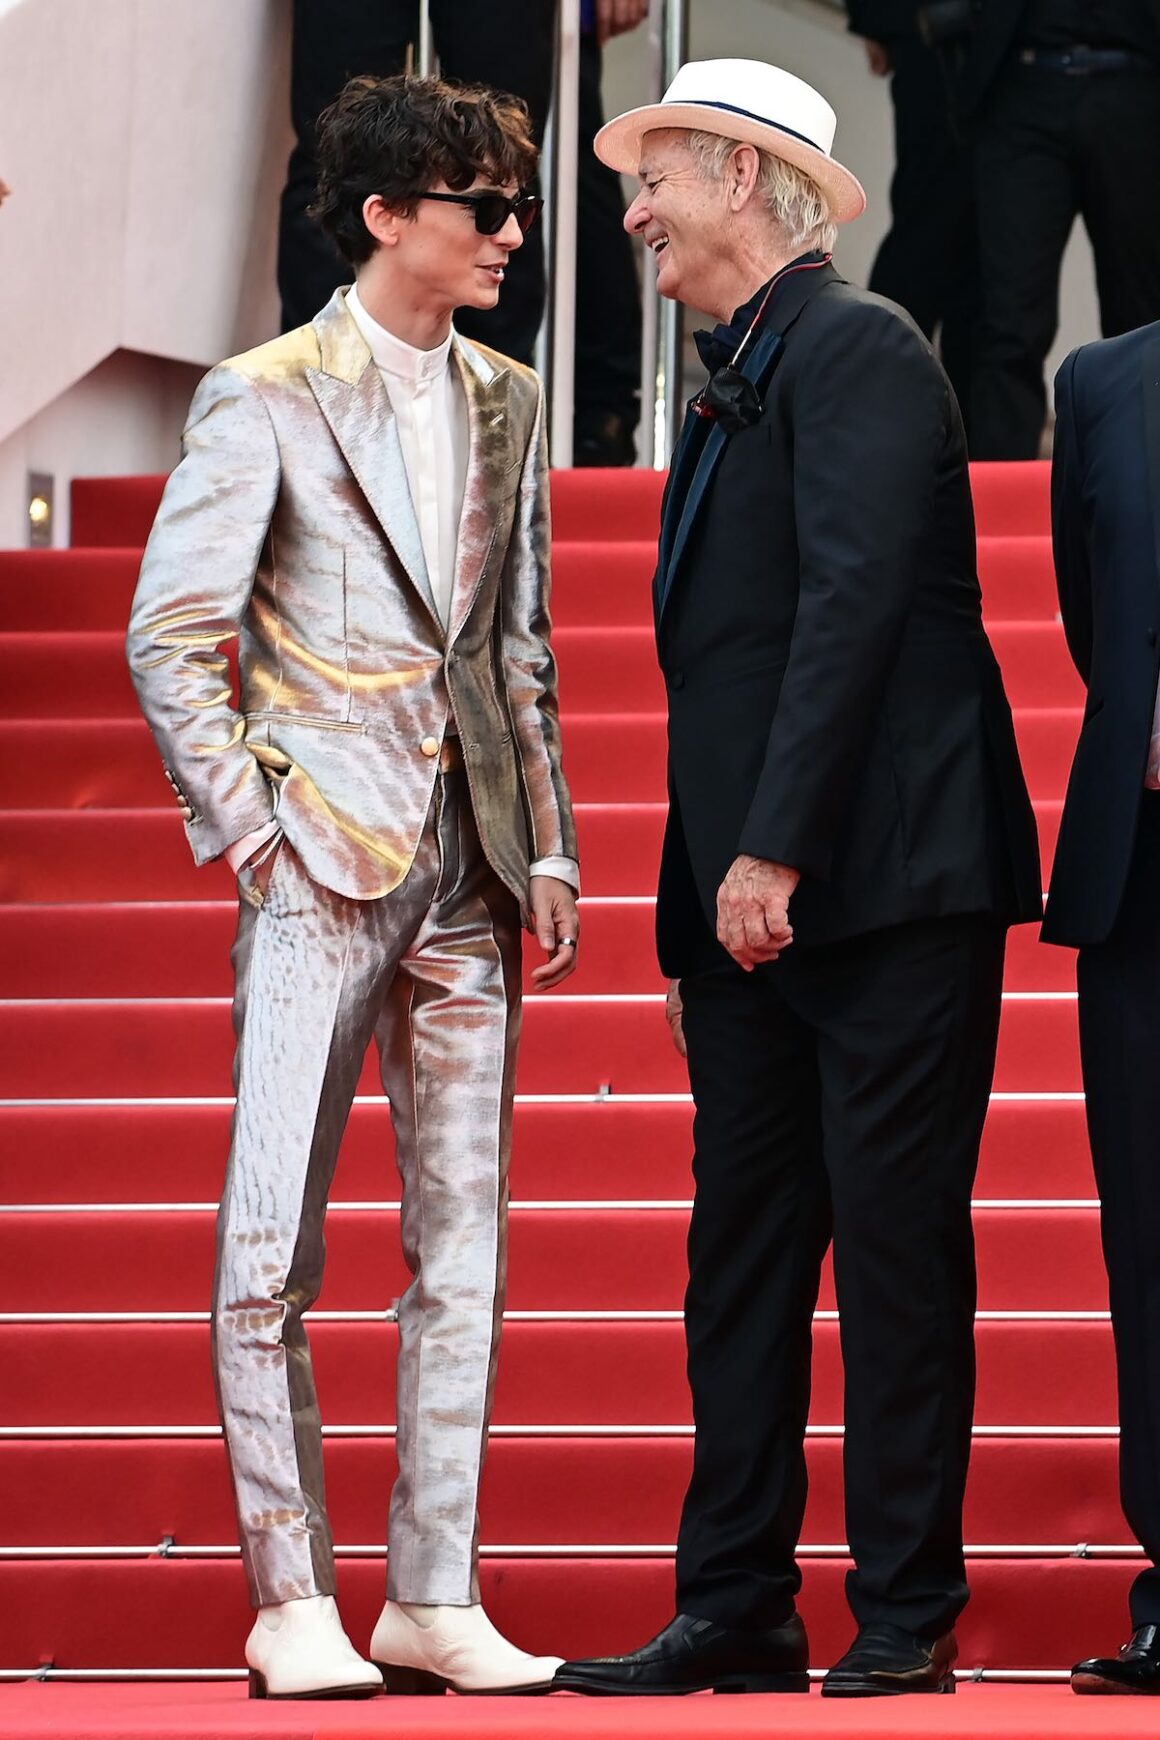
603 438
1135 1669
695 1655
884 1660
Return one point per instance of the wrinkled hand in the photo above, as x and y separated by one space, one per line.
879 59
674 1015
614 17
753 910
554 918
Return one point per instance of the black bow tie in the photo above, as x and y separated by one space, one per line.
717 348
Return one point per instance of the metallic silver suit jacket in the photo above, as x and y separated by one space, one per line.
288 529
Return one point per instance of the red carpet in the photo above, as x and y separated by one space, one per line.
114 1083
166 1712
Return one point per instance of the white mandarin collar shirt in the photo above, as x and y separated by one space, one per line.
430 407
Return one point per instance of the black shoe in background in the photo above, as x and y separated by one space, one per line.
603 438
1136 1669
884 1660
696 1655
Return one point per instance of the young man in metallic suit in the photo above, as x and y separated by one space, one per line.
362 509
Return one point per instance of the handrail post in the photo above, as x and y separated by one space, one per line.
561 256
672 315
427 61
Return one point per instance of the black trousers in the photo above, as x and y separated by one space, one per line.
1119 1028
1048 146
928 261
840 1093
508 44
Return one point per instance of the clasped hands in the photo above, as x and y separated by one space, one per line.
752 923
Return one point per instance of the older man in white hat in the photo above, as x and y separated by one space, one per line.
849 838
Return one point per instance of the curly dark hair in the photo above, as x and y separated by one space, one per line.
399 136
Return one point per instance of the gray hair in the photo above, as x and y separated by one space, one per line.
794 201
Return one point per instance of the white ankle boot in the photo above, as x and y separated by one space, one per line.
299 1650
436 1649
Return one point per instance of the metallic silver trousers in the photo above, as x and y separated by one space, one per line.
432 971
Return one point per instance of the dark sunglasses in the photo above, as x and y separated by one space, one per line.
492 210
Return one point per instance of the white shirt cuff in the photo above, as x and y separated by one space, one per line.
563 869
244 848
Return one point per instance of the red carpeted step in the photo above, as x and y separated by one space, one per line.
1009 499
181 949
562 1258
603 1150
146 1375
536 1492
1012 500
85 676
142 854
113 763
126 1049
213 1710
1026 1613
609 504
1018 579
596 586
616 504
609 758
83 591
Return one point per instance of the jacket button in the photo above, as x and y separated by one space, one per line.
676 679
430 746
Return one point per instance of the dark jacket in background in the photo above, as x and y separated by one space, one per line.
1105 479
834 703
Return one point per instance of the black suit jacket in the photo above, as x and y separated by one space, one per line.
834 703
1105 497
995 34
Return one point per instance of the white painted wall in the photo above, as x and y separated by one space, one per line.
145 143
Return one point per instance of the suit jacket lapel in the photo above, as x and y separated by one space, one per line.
764 352
351 396
786 304
489 459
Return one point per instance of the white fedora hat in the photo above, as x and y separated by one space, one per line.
751 102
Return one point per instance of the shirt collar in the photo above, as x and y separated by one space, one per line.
393 355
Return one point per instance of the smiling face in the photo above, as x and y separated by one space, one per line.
681 216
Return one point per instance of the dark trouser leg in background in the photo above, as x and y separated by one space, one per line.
1119 1025
760 1227
334 40
1027 196
607 395
928 261
1119 152
510 45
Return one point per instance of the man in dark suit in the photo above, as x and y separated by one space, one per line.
928 259
1104 886
849 836
1062 101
